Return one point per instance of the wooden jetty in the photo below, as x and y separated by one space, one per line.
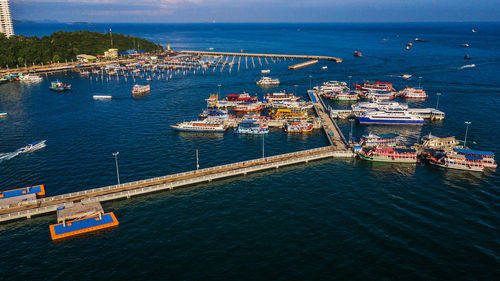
309 57
303 64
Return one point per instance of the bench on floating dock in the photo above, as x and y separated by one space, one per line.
79 210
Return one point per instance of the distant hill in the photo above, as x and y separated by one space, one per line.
61 46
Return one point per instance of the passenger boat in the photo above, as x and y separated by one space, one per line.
281 96
59 86
457 161
201 126
379 105
343 96
333 86
413 93
439 142
31 78
265 71
488 156
389 154
379 140
251 127
214 114
375 86
290 113
390 117
298 126
248 107
241 97
267 81
378 95
357 54
140 90
34 146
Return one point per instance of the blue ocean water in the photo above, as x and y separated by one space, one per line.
332 219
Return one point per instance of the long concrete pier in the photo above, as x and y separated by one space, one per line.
127 190
309 57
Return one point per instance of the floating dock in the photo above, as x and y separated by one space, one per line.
20 196
303 64
84 225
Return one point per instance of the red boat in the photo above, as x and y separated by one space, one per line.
241 97
357 54
375 86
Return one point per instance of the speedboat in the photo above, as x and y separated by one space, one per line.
265 71
34 146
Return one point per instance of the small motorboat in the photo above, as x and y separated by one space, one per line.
467 57
324 67
358 54
34 146
464 45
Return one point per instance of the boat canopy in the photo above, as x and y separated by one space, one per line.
474 152
473 158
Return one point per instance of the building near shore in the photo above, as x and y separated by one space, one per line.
85 58
111 54
5 19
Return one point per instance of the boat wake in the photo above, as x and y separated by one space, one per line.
467 66
9 155
29 148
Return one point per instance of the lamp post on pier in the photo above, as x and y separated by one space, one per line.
197 161
437 103
467 123
116 163
310 82
219 85
263 155
350 133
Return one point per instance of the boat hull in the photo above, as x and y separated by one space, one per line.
386 160
457 167
177 128
365 120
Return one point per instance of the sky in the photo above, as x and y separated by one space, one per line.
182 11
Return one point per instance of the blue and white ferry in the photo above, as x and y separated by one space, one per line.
251 127
390 117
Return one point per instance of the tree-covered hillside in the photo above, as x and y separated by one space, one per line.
61 46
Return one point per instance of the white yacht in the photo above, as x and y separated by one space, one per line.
31 78
379 105
390 117
268 81
34 146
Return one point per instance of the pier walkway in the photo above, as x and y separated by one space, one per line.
50 204
335 136
309 57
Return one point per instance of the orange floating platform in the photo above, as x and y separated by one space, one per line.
39 190
84 225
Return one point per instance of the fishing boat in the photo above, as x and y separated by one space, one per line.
281 96
389 154
358 54
343 96
457 161
488 156
413 93
379 140
33 146
439 142
267 81
265 71
31 78
390 117
59 86
206 125
298 126
248 107
140 90
251 127
240 97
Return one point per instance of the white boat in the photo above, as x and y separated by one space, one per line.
139 90
467 66
379 105
3 114
406 76
267 81
413 93
31 78
281 96
33 146
453 160
265 71
390 117
201 126
324 67
102 97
